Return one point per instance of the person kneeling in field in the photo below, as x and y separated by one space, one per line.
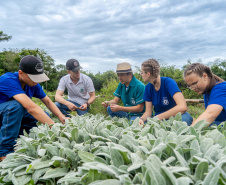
130 91
17 110
162 93
81 92
201 79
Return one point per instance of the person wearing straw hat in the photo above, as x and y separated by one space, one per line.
130 91
81 92
17 110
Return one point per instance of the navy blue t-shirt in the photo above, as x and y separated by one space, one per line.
217 96
10 86
162 100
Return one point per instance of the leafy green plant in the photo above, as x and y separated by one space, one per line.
96 150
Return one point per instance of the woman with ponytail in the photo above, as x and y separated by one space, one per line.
162 93
201 79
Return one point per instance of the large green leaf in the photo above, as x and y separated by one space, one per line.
201 170
212 177
106 182
86 156
55 172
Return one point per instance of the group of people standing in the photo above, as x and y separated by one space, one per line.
18 112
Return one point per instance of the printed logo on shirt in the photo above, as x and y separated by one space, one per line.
165 101
81 90
133 102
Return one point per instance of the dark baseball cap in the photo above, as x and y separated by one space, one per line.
34 68
73 65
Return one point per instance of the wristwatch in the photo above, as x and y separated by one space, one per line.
88 105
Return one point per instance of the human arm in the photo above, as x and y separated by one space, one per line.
90 101
59 98
210 114
114 101
33 109
53 108
137 108
147 113
181 106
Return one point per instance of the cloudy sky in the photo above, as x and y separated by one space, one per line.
102 33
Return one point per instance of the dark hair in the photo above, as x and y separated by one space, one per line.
151 66
199 69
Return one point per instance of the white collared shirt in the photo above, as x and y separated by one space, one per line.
78 92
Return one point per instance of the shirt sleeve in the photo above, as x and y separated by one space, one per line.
140 94
117 92
90 86
38 92
172 86
11 87
62 84
218 96
147 93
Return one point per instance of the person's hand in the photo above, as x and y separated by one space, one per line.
83 107
71 106
105 104
115 107
62 119
50 124
141 122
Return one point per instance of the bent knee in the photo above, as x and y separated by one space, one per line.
16 106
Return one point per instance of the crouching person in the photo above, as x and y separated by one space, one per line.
163 94
130 91
201 79
81 92
17 110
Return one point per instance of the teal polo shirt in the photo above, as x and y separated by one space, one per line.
131 96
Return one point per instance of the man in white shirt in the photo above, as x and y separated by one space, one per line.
81 92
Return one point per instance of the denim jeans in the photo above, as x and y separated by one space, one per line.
65 110
187 118
14 118
121 114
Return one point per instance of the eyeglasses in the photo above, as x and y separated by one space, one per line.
194 85
142 72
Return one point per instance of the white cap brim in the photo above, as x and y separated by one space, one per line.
38 78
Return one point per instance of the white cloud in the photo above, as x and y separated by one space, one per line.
101 33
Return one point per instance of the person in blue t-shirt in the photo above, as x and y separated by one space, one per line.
162 93
17 110
130 91
201 79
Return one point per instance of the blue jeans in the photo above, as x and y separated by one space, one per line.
187 118
121 114
64 109
14 118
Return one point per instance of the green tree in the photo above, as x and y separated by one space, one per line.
218 67
4 37
100 79
8 61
